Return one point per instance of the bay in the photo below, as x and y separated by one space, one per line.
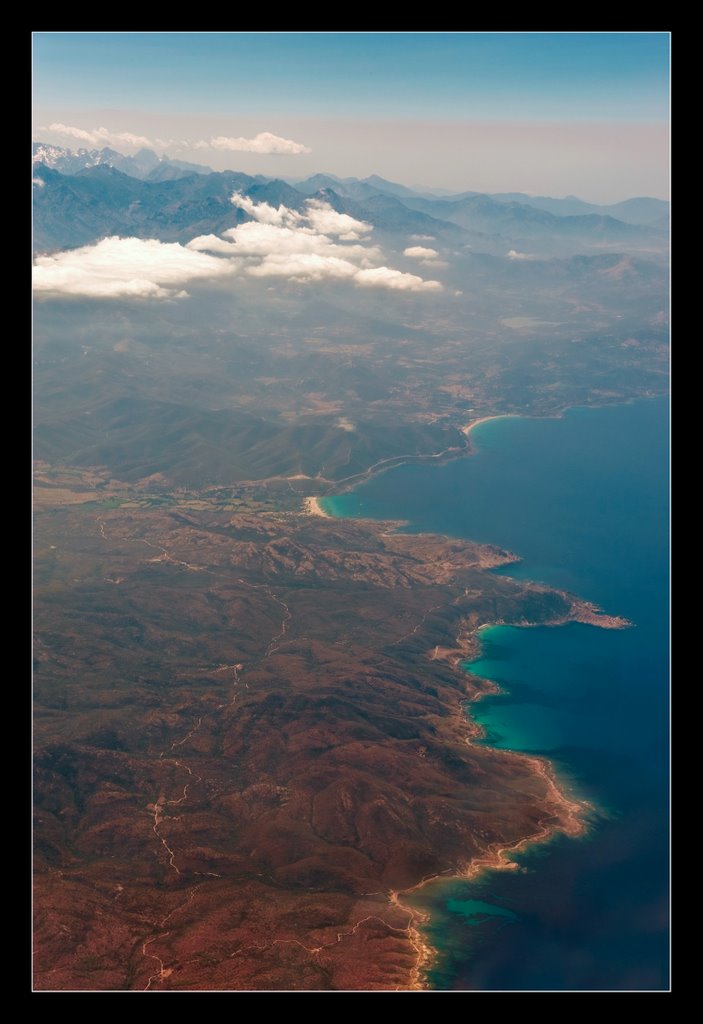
583 500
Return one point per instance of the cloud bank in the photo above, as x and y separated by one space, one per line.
126 268
264 142
311 245
98 136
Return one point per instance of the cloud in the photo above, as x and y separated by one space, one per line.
298 246
427 257
39 182
384 277
126 267
213 243
264 212
98 136
283 231
304 266
328 222
264 142
419 252
254 239
422 238
278 243
512 254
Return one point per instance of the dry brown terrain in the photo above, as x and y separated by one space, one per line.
251 735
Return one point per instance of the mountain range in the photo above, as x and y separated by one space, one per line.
145 163
82 197
642 210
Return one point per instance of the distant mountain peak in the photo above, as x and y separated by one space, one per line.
145 164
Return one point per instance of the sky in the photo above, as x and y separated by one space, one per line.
544 113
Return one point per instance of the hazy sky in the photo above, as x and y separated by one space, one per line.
553 114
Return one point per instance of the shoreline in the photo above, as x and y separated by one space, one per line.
563 814
559 812
349 483
313 508
496 857
466 430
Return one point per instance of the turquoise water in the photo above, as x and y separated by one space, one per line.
584 501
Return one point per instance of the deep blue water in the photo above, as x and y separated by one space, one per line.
584 501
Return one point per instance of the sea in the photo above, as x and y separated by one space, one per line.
584 501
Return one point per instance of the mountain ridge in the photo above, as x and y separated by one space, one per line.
98 201
144 164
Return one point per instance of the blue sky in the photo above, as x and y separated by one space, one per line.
358 98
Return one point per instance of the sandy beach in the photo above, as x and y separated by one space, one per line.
484 419
313 508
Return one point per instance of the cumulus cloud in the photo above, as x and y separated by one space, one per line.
422 238
255 239
264 212
126 267
98 136
419 252
384 277
264 142
328 222
512 254
304 266
315 245
320 243
213 243
39 182
427 257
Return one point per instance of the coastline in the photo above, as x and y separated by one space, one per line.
349 483
559 812
313 508
561 815
466 430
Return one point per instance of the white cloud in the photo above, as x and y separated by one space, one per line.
303 266
98 136
264 142
255 239
39 182
384 277
512 254
419 252
426 257
264 212
422 238
328 222
278 242
212 243
126 267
